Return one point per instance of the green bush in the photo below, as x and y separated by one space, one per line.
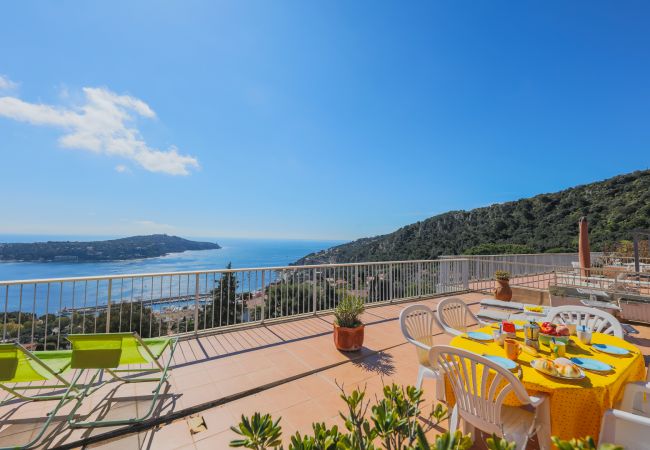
502 275
586 443
348 310
393 425
498 249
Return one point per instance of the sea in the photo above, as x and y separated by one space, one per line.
241 253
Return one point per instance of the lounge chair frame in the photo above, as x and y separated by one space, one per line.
91 386
64 398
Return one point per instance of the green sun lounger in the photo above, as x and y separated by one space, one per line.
20 367
110 352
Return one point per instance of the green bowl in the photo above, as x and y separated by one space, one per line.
546 339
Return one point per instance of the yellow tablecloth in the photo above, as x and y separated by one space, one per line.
577 407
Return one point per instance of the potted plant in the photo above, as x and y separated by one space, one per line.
348 329
502 290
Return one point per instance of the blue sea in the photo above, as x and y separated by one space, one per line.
242 253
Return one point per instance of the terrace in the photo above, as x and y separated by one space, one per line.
253 340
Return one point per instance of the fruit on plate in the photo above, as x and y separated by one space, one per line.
545 365
532 351
548 328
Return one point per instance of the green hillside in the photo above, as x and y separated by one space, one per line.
544 223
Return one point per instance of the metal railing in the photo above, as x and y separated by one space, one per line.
525 274
546 259
40 313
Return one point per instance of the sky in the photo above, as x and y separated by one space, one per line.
309 120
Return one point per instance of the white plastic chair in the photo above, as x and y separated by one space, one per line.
630 431
636 397
418 325
453 314
480 387
594 319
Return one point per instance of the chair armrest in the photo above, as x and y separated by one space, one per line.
537 400
628 417
452 331
419 344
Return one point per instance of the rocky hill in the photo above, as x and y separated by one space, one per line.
544 223
134 247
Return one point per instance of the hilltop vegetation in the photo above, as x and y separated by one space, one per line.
134 247
544 223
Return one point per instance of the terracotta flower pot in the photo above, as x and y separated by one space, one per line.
348 339
502 290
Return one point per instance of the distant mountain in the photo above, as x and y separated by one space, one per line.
544 223
135 247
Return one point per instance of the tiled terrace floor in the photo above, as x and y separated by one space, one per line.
210 368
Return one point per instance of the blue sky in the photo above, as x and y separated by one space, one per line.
293 119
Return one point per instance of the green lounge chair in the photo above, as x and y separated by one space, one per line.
110 351
20 367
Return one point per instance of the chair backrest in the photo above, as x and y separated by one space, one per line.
594 319
479 384
106 350
454 315
628 430
19 365
418 325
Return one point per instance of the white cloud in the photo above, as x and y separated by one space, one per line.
104 124
121 168
6 84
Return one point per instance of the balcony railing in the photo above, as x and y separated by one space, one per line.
40 313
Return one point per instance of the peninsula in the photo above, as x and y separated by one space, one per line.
135 247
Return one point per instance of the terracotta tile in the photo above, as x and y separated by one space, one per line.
130 442
200 394
172 436
217 441
216 420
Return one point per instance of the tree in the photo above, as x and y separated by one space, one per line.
226 308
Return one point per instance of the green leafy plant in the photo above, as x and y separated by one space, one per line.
445 441
439 413
586 443
494 442
258 433
502 275
348 310
390 423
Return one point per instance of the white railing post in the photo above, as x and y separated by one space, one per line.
314 291
263 298
108 306
465 269
196 305
419 278
391 289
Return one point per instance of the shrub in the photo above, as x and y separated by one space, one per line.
348 310
586 443
490 248
502 275
393 425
